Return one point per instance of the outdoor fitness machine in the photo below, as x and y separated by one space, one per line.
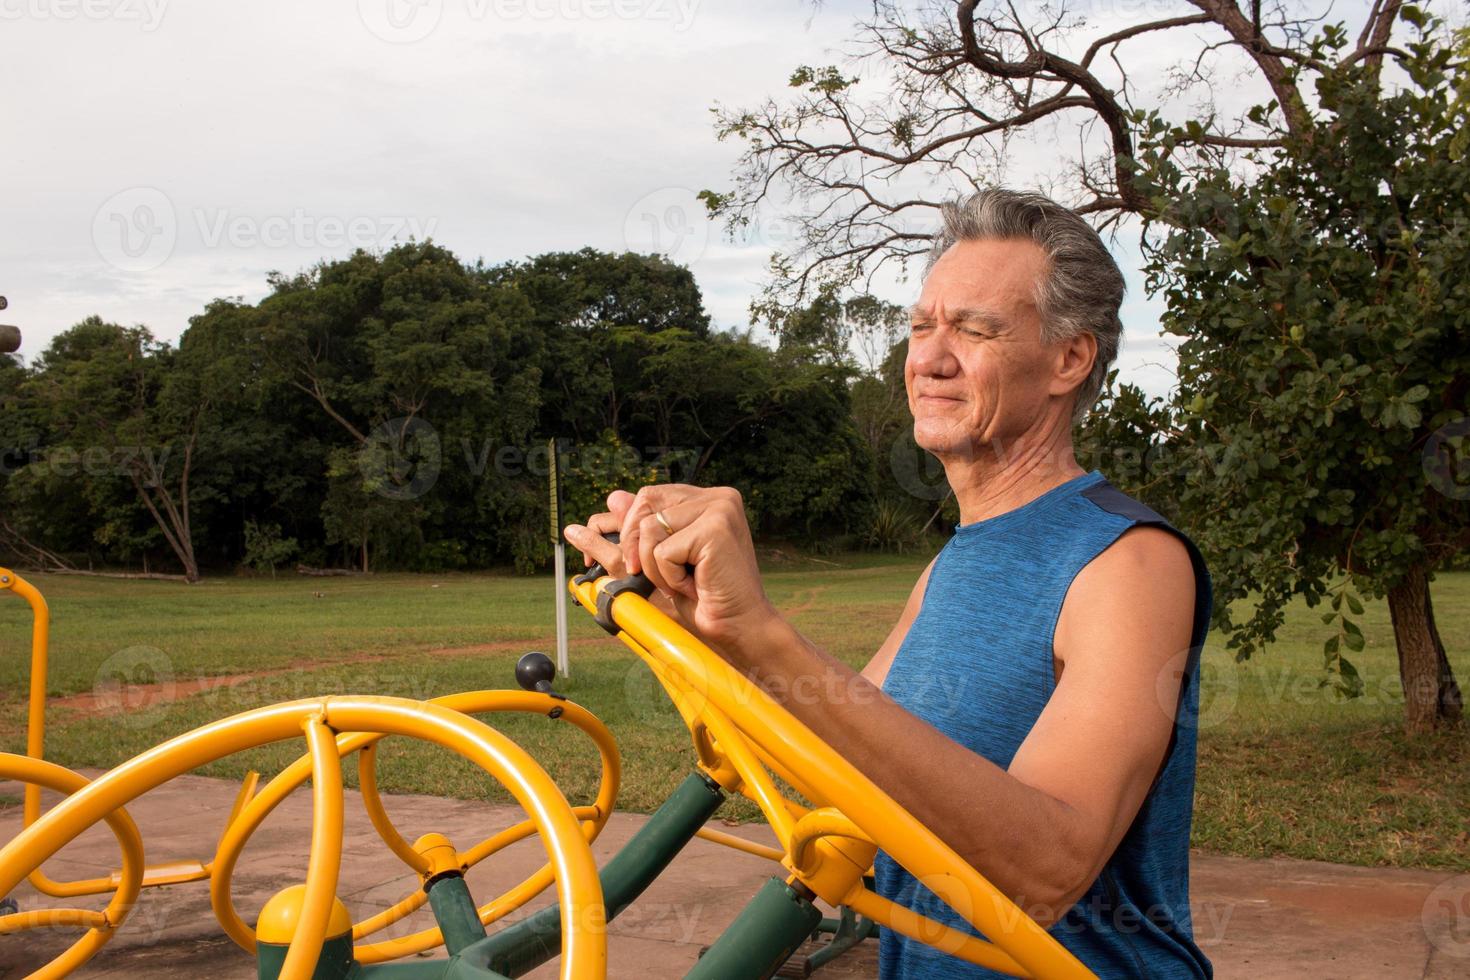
743 741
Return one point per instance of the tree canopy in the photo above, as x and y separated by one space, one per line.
392 410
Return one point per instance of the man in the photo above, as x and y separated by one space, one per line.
1039 690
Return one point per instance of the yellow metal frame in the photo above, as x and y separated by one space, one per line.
154 876
742 735
322 721
129 880
431 854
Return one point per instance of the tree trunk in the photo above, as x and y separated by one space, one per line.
1431 696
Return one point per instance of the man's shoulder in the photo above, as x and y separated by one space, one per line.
1109 498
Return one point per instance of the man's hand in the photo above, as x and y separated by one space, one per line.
704 561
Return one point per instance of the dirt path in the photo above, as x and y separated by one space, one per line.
109 699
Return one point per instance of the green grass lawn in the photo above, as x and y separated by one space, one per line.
1285 766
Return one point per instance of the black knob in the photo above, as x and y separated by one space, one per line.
535 672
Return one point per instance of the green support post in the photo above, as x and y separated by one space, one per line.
455 912
335 963
764 936
524 946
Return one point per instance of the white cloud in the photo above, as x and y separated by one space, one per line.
267 136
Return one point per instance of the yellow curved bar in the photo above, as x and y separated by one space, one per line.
741 844
925 930
173 874
393 913
887 824
42 774
53 919
325 862
36 729
817 825
478 702
246 822
579 890
249 818
583 915
372 802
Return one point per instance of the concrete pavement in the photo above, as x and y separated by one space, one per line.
1263 919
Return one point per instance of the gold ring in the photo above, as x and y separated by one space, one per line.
663 521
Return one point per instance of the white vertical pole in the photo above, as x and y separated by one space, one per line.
563 667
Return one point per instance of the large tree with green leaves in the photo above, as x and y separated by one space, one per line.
1293 179
121 414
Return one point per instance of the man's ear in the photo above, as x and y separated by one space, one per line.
1073 362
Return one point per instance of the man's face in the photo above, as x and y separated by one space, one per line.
977 370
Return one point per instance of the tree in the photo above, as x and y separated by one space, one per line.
1325 361
1324 329
588 312
114 402
406 356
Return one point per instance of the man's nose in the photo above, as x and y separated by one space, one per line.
932 355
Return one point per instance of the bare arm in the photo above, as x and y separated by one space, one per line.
1039 831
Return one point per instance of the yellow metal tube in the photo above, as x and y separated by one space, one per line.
325 862
249 818
490 912
741 844
176 873
816 764
372 802
925 930
100 925
578 888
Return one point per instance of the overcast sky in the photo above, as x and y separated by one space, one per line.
162 153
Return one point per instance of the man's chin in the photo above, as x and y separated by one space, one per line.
942 444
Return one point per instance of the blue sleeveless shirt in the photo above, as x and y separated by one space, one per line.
977 665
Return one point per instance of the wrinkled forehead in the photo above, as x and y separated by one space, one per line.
1001 276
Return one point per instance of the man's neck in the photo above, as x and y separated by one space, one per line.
995 479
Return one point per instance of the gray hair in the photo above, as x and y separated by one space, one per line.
1082 288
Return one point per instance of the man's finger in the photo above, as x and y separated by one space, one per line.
661 552
595 547
662 496
618 503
